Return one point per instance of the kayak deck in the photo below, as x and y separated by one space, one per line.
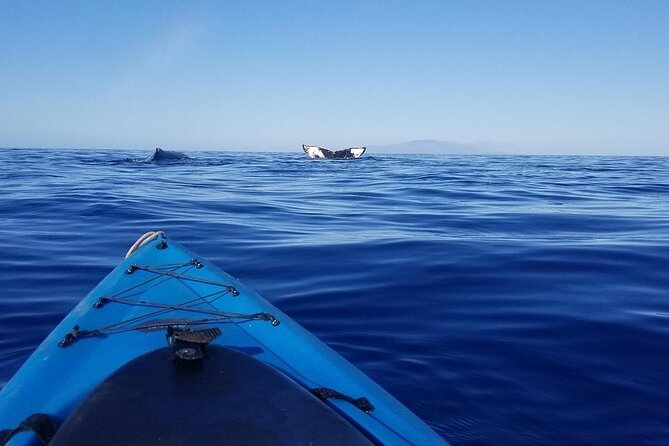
228 398
161 285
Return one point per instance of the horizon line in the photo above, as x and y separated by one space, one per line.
382 152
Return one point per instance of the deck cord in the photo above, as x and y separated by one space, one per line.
169 271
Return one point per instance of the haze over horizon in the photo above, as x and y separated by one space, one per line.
524 76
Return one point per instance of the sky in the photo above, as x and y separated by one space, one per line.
539 76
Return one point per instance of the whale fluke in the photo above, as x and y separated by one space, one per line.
320 152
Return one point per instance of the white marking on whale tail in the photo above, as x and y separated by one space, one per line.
357 151
313 151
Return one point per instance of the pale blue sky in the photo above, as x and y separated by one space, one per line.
526 76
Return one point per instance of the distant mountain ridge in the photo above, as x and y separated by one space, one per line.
431 146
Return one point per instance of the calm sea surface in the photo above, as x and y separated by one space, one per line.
513 300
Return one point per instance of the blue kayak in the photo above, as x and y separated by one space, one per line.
168 349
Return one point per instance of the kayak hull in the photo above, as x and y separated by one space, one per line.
56 379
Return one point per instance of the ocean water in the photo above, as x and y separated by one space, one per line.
511 300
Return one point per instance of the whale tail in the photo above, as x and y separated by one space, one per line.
319 152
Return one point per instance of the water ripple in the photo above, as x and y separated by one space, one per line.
505 299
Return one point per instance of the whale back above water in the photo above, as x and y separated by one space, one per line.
320 152
165 155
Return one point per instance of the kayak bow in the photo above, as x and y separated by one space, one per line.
168 348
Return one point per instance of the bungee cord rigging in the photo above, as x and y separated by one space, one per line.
167 271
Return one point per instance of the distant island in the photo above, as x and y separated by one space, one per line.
433 146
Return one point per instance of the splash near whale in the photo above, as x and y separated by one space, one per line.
319 152
165 155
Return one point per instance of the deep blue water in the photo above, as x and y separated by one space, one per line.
514 300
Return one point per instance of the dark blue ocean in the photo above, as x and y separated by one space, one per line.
510 300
